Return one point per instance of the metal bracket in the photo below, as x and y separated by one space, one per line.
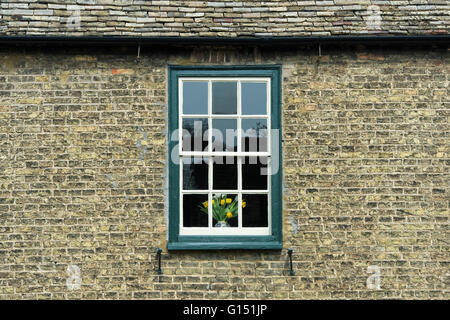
158 254
138 58
290 261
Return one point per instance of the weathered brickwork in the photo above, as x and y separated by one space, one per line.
83 176
223 18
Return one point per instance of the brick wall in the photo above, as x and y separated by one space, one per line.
83 176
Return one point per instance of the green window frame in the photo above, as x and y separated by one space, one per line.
176 241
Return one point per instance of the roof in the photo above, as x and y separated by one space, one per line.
223 19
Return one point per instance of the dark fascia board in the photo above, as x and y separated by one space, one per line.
257 41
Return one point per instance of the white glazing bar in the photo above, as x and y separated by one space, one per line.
239 114
209 210
239 149
227 79
239 192
180 143
226 116
195 191
209 116
210 159
180 118
224 191
199 154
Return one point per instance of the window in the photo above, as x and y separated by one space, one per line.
224 157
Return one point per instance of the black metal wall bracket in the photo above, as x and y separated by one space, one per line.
138 57
291 272
158 254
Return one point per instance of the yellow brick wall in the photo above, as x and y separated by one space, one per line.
83 176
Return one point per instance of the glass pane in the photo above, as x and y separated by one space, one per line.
194 136
224 97
225 173
254 173
254 135
195 174
195 97
192 213
254 98
225 210
255 210
224 134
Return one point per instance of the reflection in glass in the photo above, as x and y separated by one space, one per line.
224 97
254 135
254 173
194 137
192 216
195 97
254 98
255 210
225 173
195 174
224 135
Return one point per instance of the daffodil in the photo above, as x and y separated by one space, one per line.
223 207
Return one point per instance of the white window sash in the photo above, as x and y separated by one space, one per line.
210 229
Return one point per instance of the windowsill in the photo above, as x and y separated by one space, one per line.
220 243
230 231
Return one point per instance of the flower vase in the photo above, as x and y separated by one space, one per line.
221 224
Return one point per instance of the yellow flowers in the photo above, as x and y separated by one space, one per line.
205 204
222 208
227 201
222 202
